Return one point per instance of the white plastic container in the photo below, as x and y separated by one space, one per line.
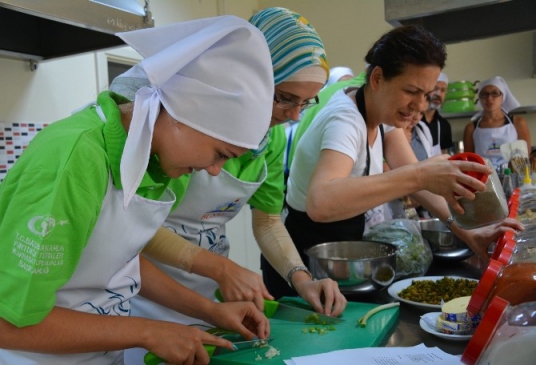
506 335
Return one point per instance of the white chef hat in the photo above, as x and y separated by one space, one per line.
509 101
336 73
443 77
214 75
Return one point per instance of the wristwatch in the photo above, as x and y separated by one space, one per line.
449 221
293 270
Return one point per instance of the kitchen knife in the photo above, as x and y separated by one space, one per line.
151 359
278 310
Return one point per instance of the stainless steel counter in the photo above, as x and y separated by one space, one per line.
407 332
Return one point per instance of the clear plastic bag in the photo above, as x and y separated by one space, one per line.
414 256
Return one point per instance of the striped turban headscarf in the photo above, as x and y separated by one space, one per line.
294 44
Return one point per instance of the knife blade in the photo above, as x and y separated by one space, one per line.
242 345
278 310
151 359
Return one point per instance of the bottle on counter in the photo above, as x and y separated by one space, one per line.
507 185
489 206
506 335
527 188
515 282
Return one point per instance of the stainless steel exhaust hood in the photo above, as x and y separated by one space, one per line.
463 20
38 30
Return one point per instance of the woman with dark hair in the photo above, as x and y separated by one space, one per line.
330 186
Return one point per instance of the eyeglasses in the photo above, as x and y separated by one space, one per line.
289 104
493 94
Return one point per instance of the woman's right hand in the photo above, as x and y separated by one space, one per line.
448 178
180 344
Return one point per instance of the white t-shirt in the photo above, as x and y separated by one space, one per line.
340 127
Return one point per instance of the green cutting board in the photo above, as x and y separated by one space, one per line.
289 338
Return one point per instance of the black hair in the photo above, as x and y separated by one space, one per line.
402 46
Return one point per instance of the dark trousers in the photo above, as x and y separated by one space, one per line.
306 233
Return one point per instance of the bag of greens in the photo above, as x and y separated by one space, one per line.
413 256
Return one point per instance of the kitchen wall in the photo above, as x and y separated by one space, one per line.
348 28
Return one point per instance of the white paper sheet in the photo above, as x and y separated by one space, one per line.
419 354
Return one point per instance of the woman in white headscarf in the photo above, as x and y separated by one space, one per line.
494 125
91 190
194 246
300 70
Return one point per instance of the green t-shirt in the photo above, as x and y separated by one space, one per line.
50 201
269 196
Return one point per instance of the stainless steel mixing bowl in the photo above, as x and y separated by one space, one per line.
444 245
357 266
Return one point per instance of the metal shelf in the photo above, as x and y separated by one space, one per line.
466 115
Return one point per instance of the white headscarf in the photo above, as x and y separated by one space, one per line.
336 73
509 101
214 75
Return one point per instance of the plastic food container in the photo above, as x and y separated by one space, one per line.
516 249
515 283
489 206
506 335
504 247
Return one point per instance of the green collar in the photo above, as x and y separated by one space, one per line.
115 136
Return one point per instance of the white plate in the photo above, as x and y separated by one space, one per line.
433 316
398 286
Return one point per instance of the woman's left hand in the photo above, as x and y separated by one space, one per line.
479 239
240 284
327 290
241 317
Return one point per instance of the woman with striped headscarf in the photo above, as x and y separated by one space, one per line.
208 202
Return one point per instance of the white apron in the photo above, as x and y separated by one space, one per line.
426 140
209 202
488 141
108 273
